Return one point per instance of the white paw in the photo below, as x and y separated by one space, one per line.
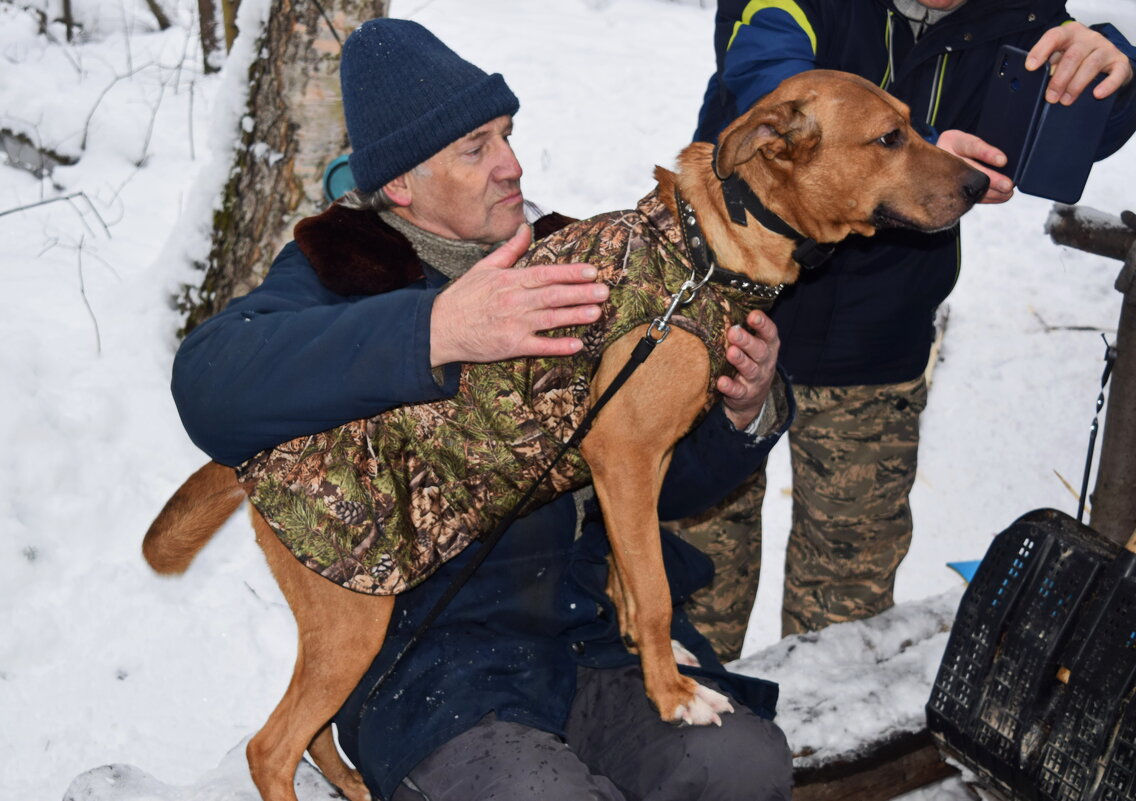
683 656
704 708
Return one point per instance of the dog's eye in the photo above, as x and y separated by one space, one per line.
890 139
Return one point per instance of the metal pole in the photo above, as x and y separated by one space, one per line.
1114 495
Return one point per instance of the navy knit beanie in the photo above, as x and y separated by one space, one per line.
407 96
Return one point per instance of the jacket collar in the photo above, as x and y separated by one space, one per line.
353 252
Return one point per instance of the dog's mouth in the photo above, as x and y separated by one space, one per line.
886 217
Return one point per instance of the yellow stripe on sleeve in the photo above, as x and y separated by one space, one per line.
788 6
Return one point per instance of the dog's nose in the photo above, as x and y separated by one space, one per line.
975 186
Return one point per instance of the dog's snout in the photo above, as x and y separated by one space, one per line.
975 186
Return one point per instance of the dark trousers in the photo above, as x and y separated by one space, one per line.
617 749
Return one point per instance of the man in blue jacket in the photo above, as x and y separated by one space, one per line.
522 688
857 332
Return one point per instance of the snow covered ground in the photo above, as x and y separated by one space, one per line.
101 662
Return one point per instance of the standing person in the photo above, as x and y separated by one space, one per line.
857 331
522 688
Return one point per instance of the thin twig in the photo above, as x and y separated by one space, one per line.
1076 495
189 128
87 303
327 19
127 29
105 263
150 128
1051 328
98 101
67 198
54 241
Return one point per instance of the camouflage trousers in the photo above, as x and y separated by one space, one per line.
853 459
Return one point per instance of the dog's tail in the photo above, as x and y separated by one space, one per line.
191 517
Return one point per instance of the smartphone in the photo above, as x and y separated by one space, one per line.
1061 156
1014 98
1049 147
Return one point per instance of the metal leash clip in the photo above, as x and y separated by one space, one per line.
680 298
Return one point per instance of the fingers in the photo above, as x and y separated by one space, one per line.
753 355
1076 55
970 147
493 313
1001 187
980 155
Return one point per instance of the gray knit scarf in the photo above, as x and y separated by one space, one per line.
450 257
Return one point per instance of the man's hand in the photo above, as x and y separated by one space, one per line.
753 354
1078 55
494 312
982 156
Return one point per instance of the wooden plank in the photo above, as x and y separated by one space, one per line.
888 769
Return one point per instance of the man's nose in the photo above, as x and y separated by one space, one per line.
508 169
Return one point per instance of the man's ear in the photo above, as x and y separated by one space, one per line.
780 132
398 191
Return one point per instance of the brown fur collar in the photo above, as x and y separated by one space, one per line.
356 253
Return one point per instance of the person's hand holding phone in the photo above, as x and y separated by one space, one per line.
1077 55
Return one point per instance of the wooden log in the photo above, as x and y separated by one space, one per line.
886 770
1113 502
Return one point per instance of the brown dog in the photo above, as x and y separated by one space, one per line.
830 154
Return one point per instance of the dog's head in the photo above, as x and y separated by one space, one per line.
834 154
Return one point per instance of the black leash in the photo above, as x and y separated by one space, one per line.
1110 354
642 350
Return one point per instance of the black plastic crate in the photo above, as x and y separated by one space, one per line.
1050 593
1084 755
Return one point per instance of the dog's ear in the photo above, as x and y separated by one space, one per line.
781 132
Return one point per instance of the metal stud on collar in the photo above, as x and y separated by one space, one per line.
715 272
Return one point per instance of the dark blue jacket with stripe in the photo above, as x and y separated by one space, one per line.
866 316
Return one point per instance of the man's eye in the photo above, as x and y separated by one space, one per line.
890 139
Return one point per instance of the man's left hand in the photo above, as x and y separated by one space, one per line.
980 155
753 353
1079 54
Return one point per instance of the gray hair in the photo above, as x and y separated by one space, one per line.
365 201
375 201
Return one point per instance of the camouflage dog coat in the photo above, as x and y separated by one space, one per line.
376 505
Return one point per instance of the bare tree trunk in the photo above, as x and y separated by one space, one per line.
229 20
207 20
159 14
68 19
297 129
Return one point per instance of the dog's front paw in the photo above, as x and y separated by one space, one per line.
703 708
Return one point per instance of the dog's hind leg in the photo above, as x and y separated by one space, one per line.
323 752
628 450
191 516
340 632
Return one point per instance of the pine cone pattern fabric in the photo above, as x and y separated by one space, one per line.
376 505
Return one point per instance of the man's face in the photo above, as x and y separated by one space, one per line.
941 5
471 190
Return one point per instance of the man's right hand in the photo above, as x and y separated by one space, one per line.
494 312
